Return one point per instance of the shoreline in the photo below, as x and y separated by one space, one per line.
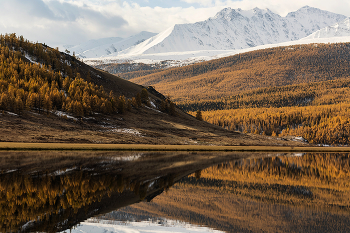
13 146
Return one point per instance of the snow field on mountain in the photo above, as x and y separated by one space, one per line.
337 30
176 59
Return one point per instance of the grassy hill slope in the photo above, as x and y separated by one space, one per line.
263 68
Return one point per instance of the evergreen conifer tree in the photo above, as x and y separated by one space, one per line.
199 115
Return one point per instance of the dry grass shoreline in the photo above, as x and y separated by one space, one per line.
146 147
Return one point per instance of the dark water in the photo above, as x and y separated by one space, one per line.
227 192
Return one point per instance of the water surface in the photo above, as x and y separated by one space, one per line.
186 192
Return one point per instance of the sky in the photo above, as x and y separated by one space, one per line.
70 22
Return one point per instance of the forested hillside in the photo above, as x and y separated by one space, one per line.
314 93
36 77
263 68
319 112
296 90
326 124
69 101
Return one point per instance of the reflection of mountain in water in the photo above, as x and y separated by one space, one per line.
308 193
55 191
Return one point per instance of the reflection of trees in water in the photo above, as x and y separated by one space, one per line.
201 205
311 179
325 168
50 200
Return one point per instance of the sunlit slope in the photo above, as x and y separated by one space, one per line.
305 94
263 68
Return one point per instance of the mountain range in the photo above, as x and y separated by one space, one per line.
237 29
229 30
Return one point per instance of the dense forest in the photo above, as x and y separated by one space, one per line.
319 112
326 124
36 77
296 90
306 94
300 90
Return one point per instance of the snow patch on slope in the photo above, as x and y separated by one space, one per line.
26 55
147 44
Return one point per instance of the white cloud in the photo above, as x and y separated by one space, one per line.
57 22
207 3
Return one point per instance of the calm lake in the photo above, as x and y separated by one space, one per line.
174 192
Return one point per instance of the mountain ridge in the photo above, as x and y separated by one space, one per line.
340 29
237 29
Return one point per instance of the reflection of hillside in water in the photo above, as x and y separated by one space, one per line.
308 193
54 191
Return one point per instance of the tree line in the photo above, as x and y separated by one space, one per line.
312 169
311 179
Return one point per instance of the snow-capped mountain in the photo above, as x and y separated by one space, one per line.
337 30
237 29
107 46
